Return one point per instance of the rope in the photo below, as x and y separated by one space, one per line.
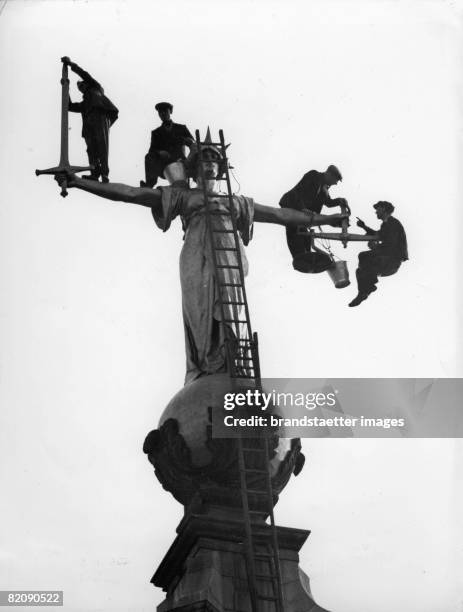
236 180
326 244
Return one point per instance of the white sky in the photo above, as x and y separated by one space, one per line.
90 316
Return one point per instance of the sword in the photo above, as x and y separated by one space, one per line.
63 166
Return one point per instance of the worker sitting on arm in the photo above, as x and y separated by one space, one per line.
311 193
386 254
167 145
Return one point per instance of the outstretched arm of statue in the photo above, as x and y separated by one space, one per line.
118 192
289 216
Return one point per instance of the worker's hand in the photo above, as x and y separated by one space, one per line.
336 220
360 223
342 202
66 60
345 204
66 177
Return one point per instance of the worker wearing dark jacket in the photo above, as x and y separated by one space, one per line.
167 145
98 114
311 193
386 254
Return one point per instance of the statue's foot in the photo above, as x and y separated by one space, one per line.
105 179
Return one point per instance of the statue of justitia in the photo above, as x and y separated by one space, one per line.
204 339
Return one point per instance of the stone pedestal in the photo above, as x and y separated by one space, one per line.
205 568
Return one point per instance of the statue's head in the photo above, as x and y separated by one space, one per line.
213 164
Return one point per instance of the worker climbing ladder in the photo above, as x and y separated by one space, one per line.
261 547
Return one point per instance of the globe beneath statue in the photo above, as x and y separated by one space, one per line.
190 463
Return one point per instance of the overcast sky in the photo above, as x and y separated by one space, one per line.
90 314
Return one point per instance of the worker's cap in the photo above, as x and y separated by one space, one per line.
160 106
387 206
334 170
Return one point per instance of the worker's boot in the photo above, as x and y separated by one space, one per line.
361 297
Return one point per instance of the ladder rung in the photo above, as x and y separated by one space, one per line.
237 321
244 359
262 555
245 377
210 144
223 231
225 249
235 302
230 285
257 492
228 266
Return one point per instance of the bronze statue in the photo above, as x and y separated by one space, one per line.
203 338
98 114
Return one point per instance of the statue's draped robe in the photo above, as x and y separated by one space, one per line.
204 339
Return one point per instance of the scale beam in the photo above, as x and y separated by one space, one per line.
345 237
63 166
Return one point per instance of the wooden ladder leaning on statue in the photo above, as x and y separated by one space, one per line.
262 554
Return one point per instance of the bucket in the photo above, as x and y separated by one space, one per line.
175 172
339 274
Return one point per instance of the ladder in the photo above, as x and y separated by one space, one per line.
262 552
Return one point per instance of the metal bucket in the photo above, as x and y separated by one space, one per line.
339 274
175 173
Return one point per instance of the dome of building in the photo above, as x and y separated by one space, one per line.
188 457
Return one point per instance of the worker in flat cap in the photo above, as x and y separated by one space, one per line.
168 143
311 193
386 254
